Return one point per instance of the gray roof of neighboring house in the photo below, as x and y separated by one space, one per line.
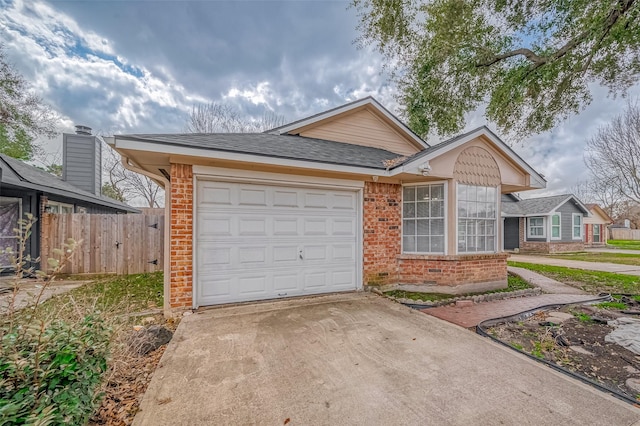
18 173
536 206
279 146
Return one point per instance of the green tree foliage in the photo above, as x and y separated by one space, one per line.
23 115
530 61
112 191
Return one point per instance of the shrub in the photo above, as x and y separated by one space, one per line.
49 372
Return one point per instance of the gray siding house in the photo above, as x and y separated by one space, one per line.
27 189
544 225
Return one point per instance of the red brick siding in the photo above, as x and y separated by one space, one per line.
382 224
551 247
181 234
452 270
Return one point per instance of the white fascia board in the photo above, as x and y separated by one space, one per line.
340 110
412 166
149 146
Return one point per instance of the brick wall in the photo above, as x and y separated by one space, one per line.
181 237
551 247
452 270
382 225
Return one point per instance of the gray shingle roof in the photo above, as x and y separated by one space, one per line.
534 206
24 175
279 146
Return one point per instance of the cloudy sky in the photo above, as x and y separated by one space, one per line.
139 66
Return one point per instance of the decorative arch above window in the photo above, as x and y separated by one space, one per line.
476 166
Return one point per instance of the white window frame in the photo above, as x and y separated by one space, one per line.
496 232
559 226
573 226
599 233
542 226
446 221
59 206
3 245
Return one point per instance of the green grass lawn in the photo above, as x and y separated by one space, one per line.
621 258
590 281
514 283
625 244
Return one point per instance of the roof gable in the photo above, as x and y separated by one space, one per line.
541 206
413 164
363 122
599 213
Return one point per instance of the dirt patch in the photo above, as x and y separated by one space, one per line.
573 337
128 378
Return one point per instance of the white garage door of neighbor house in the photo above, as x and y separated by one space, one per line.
258 242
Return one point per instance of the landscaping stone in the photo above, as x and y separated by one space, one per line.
580 350
633 383
558 317
149 339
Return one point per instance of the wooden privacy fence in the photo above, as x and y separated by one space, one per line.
111 243
624 234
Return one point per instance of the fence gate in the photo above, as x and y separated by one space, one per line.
111 243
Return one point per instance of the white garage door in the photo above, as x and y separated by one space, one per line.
262 242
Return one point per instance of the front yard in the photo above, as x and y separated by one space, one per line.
71 354
604 257
625 244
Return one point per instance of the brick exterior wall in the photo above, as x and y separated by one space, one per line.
381 238
452 270
551 247
384 262
181 237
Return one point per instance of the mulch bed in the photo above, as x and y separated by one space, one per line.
127 380
576 344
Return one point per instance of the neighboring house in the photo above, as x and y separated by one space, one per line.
595 226
342 199
27 189
544 224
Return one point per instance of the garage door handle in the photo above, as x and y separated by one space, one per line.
300 254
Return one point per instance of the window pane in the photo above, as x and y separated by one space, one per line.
482 193
491 244
437 244
409 243
423 244
423 193
437 208
471 193
482 209
472 210
409 227
555 220
462 192
437 192
462 209
555 232
423 227
462 228
423 209
437 226
409 193
576 231
490 229
491 193
576 220
491 210
409 210
471 244
481 243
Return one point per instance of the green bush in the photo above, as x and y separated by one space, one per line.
50 372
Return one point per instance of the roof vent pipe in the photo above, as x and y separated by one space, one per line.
83 130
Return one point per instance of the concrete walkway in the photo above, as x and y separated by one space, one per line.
577 264
612 250
28 290
471 316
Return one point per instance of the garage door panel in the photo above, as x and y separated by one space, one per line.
259 242
253 197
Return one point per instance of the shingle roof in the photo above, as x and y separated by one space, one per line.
32 177
279 146
534 206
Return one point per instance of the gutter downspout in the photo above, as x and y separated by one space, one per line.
166 184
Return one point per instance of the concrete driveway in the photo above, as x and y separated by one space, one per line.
356 359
